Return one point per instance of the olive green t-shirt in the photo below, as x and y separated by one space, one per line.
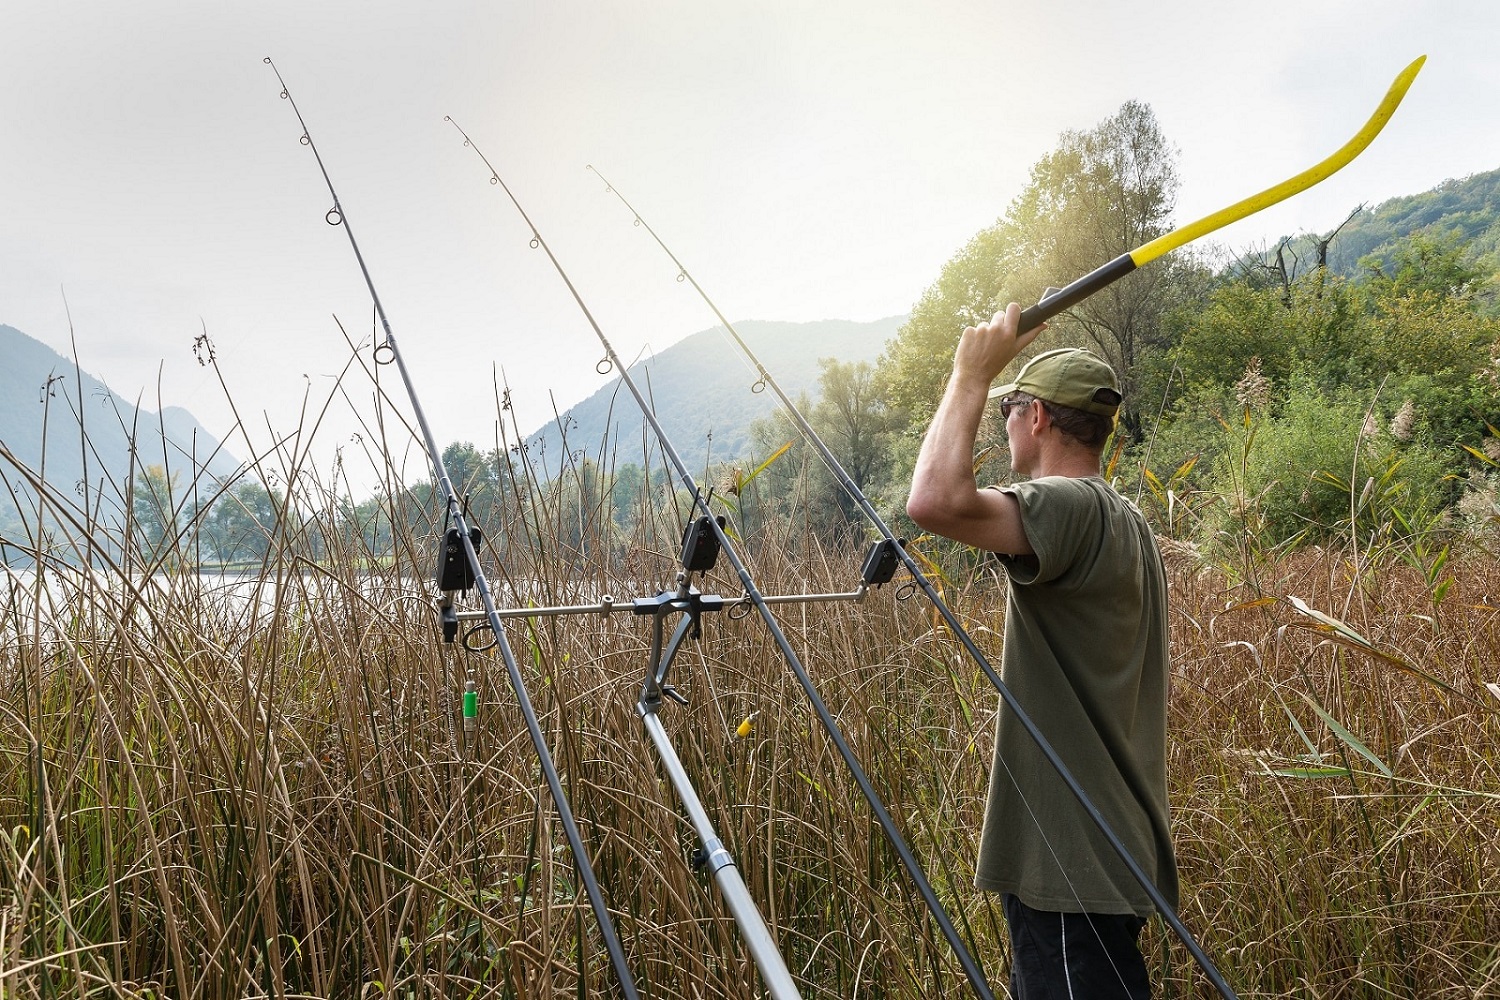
1086 656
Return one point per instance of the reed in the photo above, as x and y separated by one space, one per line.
264 789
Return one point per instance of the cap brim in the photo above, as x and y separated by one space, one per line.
1003 390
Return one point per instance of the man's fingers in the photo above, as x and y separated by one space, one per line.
1000 321
989 347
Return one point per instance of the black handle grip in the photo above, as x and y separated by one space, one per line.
1051 305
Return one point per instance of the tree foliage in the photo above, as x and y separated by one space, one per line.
853 420
155 506
1099 194
241 524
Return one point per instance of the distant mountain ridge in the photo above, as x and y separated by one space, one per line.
1468 207
42 390
702 390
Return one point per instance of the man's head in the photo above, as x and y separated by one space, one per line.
1081 390
1068 376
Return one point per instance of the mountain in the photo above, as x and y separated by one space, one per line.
89 432
1466 209
701 391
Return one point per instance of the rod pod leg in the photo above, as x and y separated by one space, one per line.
774 973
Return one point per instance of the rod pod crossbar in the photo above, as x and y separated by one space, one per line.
972 971
691 604
467 538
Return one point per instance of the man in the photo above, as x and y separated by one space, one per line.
1085 653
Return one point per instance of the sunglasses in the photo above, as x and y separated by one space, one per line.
1006 405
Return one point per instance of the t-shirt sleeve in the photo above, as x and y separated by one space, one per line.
1061 520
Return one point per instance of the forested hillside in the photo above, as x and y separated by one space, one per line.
1463 212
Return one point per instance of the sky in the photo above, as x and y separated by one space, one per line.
805 160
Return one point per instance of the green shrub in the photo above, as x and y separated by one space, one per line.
1296 467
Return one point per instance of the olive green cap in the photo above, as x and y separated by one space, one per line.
1068 376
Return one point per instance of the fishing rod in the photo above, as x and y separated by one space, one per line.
1054 302
459 570
715 527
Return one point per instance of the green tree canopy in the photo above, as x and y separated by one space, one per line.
1099 194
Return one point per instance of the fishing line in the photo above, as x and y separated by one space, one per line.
971 969
466 541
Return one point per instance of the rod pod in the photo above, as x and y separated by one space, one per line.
691 604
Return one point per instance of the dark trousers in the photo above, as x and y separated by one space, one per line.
1075 956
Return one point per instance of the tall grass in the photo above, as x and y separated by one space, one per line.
266 790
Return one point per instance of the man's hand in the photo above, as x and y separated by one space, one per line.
985 350
944 497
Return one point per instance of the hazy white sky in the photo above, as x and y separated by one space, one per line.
806 160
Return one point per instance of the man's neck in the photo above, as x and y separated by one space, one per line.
1074 463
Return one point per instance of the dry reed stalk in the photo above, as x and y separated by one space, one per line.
221 795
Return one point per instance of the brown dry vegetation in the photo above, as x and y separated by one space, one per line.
266 789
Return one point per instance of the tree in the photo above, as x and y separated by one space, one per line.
795 485
472 472
1101 193
853 420
242 522
153 508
